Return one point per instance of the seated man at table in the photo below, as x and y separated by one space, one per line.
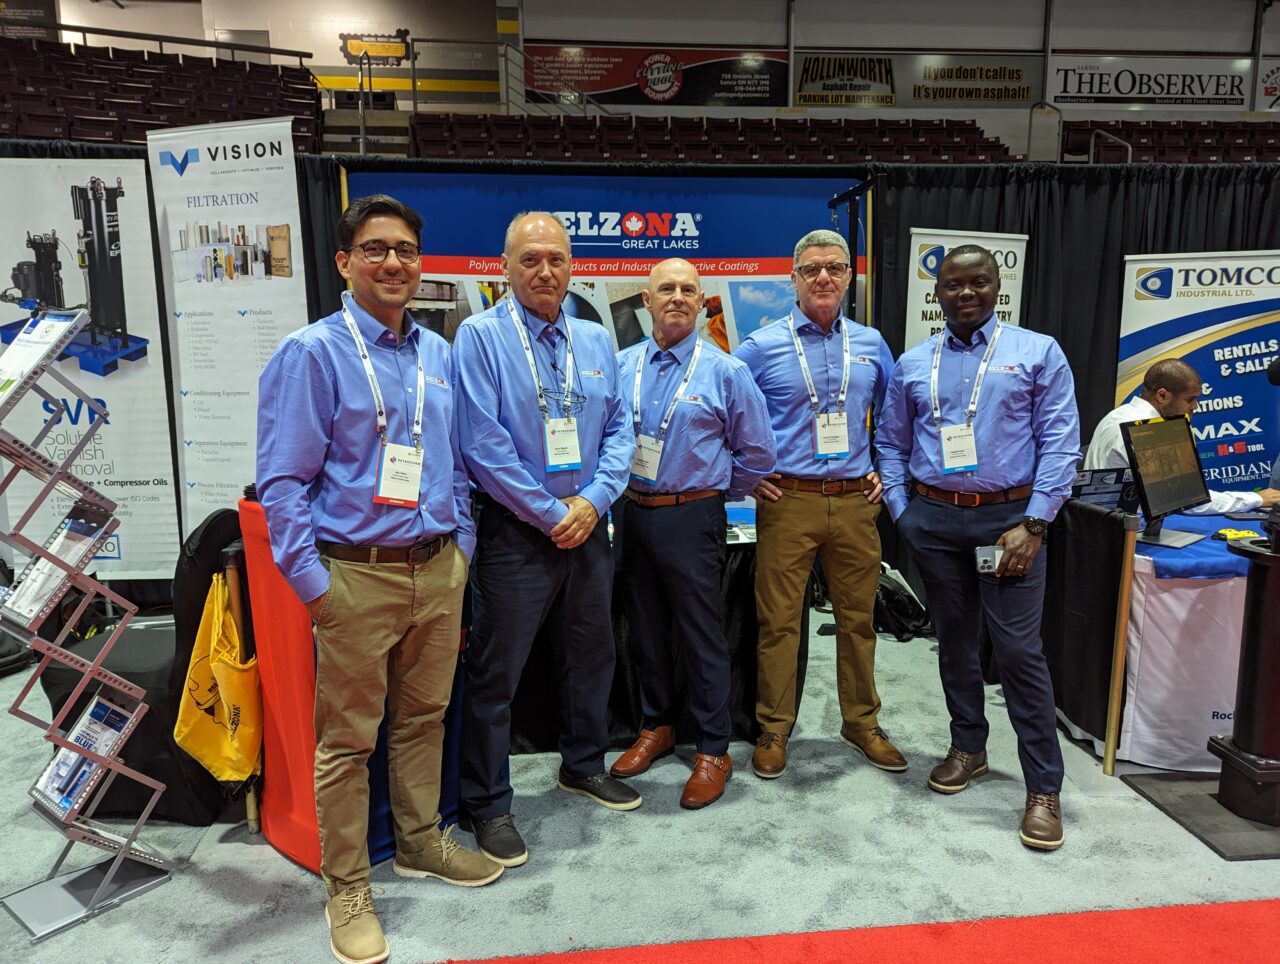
1170 389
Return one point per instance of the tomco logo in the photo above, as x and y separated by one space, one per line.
1237 277
191 157
1154 284
929 260
632 224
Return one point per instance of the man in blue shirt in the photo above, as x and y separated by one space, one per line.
980 425
821 375
374 538
547 439
702 431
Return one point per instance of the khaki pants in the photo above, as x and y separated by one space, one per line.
789 532
388 633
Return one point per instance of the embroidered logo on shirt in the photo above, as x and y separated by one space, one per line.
435 380
863 360
1004 368
692 398
591 373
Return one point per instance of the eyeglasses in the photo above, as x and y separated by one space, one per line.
375 252
834 269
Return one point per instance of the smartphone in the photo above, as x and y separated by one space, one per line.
988 558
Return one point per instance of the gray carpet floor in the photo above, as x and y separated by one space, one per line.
833 844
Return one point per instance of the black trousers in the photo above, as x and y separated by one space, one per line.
673 558
941 539
520 581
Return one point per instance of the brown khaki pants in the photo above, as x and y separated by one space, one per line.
388 633
789 533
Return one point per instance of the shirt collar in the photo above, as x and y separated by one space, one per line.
980 337
680 352
374 331
800 322
537 325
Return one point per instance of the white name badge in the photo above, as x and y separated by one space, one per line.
644 464
399 476
831 435
959 454
561 438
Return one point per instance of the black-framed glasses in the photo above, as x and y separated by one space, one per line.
375 252
810 272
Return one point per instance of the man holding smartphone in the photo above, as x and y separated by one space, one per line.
979 424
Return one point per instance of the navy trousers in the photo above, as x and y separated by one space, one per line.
520 582
673 558
942 539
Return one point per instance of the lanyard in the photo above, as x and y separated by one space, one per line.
363 352
523 332
972 410
684 385
808 377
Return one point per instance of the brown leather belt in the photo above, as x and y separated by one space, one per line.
970 500
653 500
823 486
422 552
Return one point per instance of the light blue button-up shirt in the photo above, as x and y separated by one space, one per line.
501 427
318 444
719 436
1027 428
771 355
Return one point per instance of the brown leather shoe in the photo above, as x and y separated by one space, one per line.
1042 823
770 757
706 783
954 773
875 746
649 746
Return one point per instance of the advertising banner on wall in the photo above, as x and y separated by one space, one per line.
740 233
226 200
929 247
658 75
1220 313
78 233
1188 83
1268 96
826 78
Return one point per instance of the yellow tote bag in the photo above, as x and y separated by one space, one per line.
220 714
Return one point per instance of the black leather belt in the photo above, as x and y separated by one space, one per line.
422 552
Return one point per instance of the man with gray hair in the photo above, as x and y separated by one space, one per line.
821 374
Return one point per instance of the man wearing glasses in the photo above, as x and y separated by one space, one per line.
548 441
372 528
821 374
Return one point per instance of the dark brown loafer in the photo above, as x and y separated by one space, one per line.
706 783
649 746
954 773
770 757
1042 823
874 744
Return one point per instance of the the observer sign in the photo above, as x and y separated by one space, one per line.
1208 83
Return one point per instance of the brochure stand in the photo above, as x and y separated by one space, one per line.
87 756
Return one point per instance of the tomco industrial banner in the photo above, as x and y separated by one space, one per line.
929 247
226 201
740 233
1220 313
78 233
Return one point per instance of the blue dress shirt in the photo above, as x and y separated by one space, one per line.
318 445
1026 430
501 427
771 355
719 436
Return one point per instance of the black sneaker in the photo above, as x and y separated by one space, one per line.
499 840
602 788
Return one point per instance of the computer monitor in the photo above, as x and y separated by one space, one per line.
1166 466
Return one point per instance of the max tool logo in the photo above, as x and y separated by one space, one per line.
191 157
928 260
1154 284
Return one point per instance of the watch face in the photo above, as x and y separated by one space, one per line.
1035 526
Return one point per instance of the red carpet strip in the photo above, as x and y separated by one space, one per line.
1248 931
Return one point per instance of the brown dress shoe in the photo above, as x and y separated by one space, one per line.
954 773
649 746
875 746
770 757
1042 823
706 783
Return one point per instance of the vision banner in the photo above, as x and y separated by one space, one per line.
924 317
78 233
740 233
226 199
1220 313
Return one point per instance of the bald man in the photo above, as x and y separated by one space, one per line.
1170 389
702 434
546 438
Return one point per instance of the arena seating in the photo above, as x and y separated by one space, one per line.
1174 141
114 96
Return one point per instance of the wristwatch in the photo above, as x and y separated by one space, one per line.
1035 526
